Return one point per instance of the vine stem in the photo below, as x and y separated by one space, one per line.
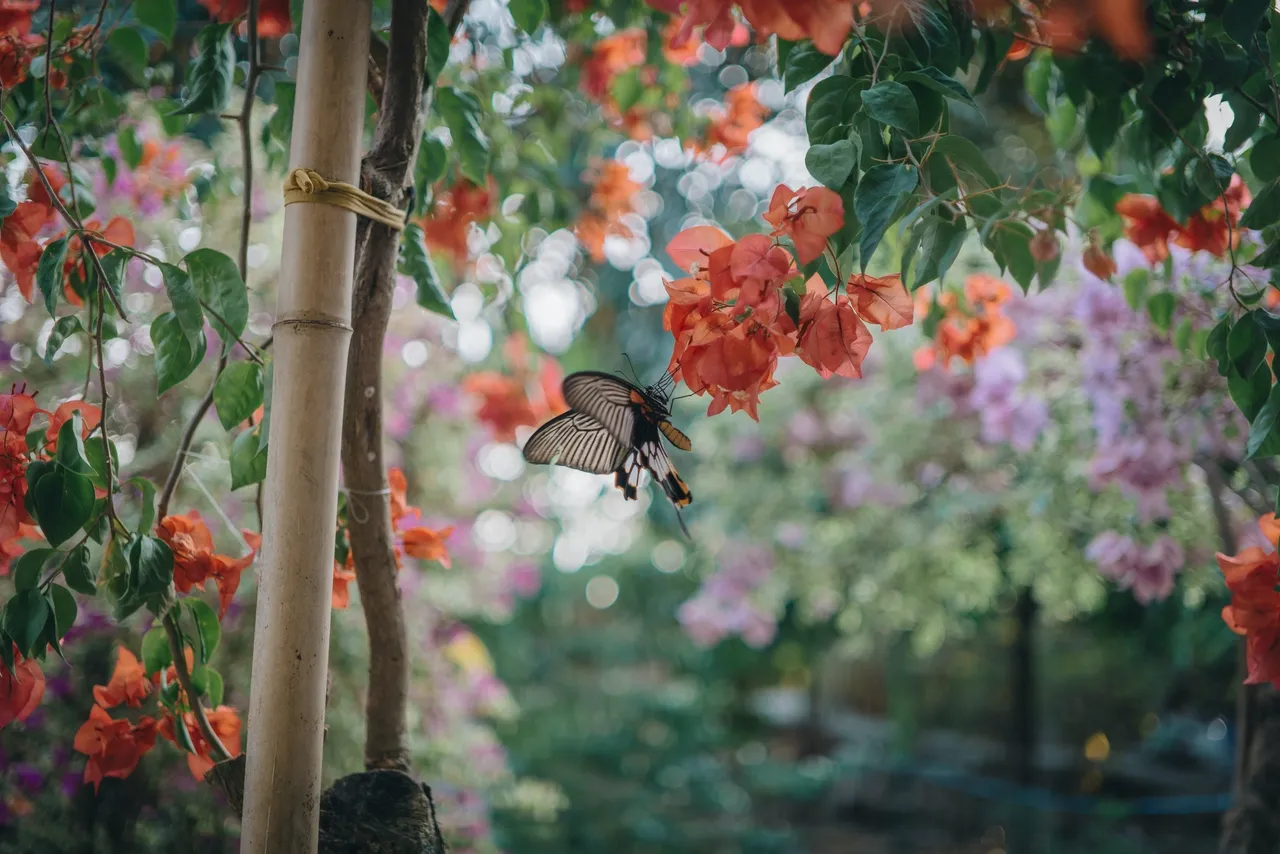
216 748
218 751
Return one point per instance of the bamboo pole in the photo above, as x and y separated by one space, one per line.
312 332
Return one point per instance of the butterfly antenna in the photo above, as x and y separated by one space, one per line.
634 376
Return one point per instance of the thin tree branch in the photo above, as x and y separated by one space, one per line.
216 748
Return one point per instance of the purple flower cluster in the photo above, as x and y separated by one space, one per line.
723 604
1147 571
1124 367
1008 413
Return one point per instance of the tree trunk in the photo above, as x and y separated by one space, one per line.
385 173
312 329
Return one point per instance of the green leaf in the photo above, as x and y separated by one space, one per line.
433 159
1264 437
890 103
1250 391
461 112
70 452
280 125
248 461
63 329
175 360
940 244
160 15
97 470
24 617
64 502
222 292
1241 18
1264 158
627 89
1263 211
7 203
791 304
28 569
147 512
130 148
881 192
49 271
825 115
185 304
953 153
1212 175
211 73
831 164
1010 243
804 63
75 571
438 39
238 392
1036 76
415 262
1135 288
156 652
1246 345
211 683
1061 121
64 610
150 566
1160 309
208 632
1103 123
128 49
941 83
528 14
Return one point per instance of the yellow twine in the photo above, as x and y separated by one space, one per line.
308 185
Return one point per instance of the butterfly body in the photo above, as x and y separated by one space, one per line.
613 427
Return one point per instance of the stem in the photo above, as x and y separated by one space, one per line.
246 214
216 748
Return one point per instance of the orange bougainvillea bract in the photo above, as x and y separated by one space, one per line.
1214 228
128 686
113 746
826 22
194 561
1252 577
21 689
226 725
745 304
967 334
612 192
447 224
273 15
808 216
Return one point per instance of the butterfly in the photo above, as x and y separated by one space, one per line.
614 426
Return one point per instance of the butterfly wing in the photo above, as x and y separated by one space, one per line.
611 400
647 453
577 441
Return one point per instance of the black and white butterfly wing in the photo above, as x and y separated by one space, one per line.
648 453
608 399
577 441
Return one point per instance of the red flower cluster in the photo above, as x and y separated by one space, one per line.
826 22
731 126
967 334
1252 577
527 396
20 250
21 689
1213 228
417 541
273 15
612 192
114 746
730 318
194 561
446 225
612 56
17 410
